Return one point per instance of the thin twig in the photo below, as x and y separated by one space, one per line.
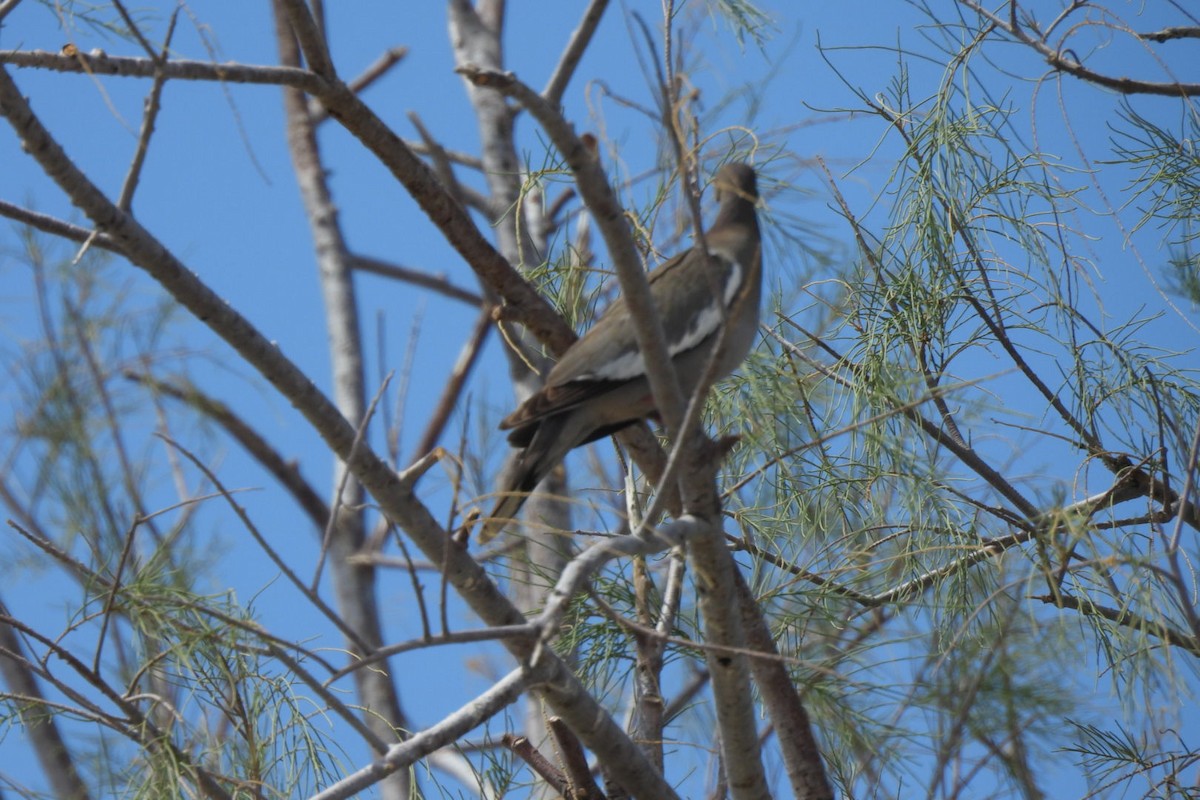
374 71
153 104
581 37
1062 60
443 166
344 482
286 471
467 358
526 630
1125 619
287 571
136 31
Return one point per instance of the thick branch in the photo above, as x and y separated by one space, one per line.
353 583
597 193
793 727
562 690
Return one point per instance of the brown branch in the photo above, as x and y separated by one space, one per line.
100 63
523 749
1058 59
1125 619
309 36
1171 33
579 776
646 723
781 698
345 533
446 404
149 115
433 281
286 472
57 763
561 689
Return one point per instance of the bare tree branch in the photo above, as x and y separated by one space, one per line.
562 689
374 71
1064 60
99 63
1167 34
345 532
152 106
466 361
47 742
453 727
435 282
285 471
569 60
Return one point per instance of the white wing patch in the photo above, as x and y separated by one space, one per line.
631 364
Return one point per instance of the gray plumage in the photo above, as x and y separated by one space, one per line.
599 385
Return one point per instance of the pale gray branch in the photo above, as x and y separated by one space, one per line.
583 566
444 733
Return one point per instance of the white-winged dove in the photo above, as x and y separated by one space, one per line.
600 386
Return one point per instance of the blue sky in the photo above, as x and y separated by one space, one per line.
218 190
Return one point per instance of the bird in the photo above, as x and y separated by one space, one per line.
599 386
